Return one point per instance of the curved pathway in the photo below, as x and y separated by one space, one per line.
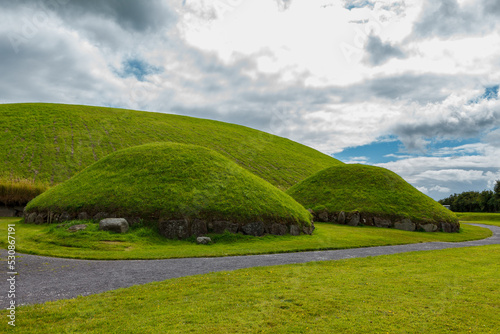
44 279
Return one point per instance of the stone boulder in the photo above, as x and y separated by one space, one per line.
119 225
294 230
308 229
323 216
341 218
174 229
277 229
30 217
429 227
381 222
405 225
41 218
353 219
449 227
203 240
198 227
254 228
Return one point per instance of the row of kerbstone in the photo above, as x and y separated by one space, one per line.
11 211
52 217
184 228
406 224
179 228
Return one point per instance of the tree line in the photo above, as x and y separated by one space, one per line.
475 201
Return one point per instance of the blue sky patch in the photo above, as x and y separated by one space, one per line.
138 68
391 149
358 4
490 93
381 151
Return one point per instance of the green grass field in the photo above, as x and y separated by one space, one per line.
445 291
48 143
367 189
480 217
145 243
172 181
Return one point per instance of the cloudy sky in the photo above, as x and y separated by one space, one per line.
409 85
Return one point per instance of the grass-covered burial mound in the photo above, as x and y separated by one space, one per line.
188 189
45 144
360 194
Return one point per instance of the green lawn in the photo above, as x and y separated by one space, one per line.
144 243
445 291
480 218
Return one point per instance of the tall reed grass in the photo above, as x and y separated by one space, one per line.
19 192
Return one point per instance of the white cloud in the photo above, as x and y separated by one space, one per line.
357 160
440 189
445 175
423 189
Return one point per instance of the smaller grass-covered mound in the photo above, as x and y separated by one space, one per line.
188 189
360 194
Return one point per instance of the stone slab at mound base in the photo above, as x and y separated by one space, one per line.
355 195
186 189
118 225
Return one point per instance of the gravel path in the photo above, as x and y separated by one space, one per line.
42 279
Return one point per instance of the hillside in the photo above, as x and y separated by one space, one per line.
49 143
380 196
186 187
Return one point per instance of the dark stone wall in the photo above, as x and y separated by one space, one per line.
387 221
11 211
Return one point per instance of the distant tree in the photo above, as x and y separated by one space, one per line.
486 201
496 196
474 201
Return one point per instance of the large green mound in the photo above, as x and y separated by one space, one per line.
361 194
49 143
189 189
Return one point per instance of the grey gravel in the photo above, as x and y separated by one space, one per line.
43 279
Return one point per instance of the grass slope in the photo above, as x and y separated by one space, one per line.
367 189
142 242
49 143
171 181
446 291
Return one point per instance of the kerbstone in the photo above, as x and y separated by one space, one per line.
254 228
119 225
405 225
429 227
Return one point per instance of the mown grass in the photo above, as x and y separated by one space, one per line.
49 143
143 242
172 181
369 189
480 217
445 291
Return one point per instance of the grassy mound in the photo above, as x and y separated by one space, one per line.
378 195
176 183
49 143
